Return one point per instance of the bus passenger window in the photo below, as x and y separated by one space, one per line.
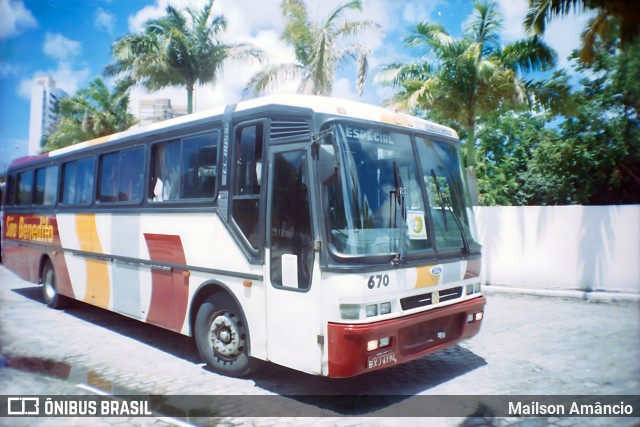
165 181
249 161
184 169
77 182
248 175
131 175
108 186
198 169
25 188
46 186
121 177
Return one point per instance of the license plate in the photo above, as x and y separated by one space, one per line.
381 360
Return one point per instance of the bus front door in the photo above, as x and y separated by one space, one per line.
293 305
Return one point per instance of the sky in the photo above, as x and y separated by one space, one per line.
70 40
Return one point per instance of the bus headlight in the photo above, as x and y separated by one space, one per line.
355 311
376 344
385 308
350 311
372 310
473 288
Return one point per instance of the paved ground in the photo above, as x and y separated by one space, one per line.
528 346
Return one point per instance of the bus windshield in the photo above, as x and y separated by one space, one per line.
388 196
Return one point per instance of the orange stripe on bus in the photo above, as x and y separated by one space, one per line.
98 284
425 278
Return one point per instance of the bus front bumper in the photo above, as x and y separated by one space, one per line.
352 347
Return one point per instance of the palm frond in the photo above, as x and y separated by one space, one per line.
429 37
271 77
529 55
542 11
340 10
484 27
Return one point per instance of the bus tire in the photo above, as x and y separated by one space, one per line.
50 292
222 337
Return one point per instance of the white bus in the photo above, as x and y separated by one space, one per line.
324 235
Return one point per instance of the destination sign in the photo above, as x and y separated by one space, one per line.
371 135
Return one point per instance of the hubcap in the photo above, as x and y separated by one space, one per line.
49 288
225 335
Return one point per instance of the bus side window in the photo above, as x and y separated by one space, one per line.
77 182
199 161
249 161
108 185
248 176
131 176
25 188
184 169
165 183
121 176
10 196
46 186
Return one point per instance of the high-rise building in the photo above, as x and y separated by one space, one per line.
44 99
156 110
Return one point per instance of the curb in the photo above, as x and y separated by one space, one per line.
564 293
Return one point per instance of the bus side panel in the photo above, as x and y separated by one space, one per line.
62 274
203 241
97 280
19 259
76 265
26 238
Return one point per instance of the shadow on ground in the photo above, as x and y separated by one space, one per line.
359 395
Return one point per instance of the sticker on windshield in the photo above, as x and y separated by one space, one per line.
416 224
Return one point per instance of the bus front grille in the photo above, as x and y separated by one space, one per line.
426 299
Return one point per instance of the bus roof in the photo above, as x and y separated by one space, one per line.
352 109
318 104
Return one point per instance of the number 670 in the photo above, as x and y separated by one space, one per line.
377 280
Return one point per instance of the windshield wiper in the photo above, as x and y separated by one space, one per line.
444 204
400 191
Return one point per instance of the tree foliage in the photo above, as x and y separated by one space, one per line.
508 142
613 18
597 160
92 112
319 49
471 76
182 48
588 156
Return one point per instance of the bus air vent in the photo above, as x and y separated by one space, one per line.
285 129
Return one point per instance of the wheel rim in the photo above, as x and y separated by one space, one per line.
49 285
226 336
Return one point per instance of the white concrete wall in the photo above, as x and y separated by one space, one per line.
588 248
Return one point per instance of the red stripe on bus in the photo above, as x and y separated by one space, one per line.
169 289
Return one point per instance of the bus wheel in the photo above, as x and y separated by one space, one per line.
222 337
50 288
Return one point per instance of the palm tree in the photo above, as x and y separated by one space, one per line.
318 50
470 76
613 17
182 48
92 112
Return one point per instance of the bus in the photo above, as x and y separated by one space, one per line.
328 236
